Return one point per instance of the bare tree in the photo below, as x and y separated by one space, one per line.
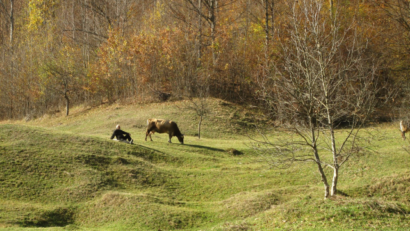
201 107
63 79
199 104
207 10
324 79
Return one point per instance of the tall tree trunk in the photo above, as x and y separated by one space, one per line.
269 29
67 104
212 19
200 34
272 17
11 56
331 9
73 20
333 145
199 127
267 37
11 107
11 22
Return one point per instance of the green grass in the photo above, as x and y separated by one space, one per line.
63 173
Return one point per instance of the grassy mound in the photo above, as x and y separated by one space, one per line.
61 171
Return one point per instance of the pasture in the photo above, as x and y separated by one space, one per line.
63 173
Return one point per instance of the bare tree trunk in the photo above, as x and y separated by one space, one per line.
200 33
199 127
267 37
73 20
268 6
317 159
323 177
334 181
11 108
11 53
272 18
212 17
67 104
11 22
332 143
335 160
331 9
268 18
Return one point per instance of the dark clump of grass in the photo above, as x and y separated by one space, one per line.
119 160
59 217
95 161
233 152
236 227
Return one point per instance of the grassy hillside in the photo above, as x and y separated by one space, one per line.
63 173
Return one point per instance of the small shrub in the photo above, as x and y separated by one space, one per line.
233 152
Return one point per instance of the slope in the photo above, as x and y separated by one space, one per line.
63 173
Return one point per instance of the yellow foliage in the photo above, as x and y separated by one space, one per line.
257 28
40 11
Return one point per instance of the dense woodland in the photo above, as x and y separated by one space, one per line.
60 53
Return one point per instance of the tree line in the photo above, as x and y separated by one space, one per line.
55 53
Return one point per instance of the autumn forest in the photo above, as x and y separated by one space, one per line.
59 53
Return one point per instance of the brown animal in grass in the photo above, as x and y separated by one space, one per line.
163 126
404 127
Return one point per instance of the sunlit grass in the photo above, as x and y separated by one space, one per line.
64 173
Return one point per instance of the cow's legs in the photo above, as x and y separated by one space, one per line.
170 136
148 133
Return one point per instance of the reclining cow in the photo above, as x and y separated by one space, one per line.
163 126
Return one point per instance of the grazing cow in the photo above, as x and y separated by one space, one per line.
163 126
404 127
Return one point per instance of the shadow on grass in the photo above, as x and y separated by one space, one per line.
206 147
56 218
151 154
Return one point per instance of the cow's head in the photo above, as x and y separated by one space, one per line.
181 138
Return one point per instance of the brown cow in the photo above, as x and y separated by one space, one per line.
404 127
163 126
